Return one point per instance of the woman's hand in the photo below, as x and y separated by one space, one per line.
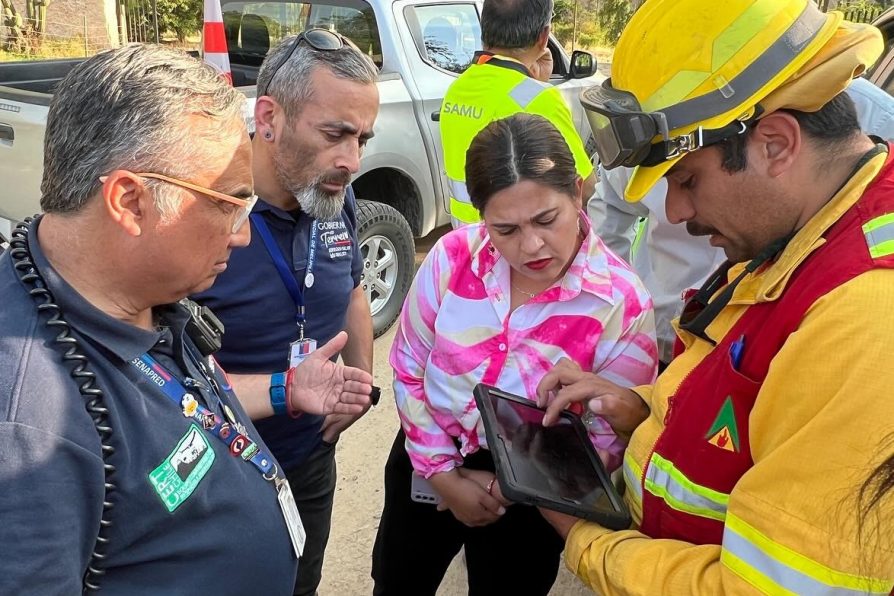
622 408
486 479
466 499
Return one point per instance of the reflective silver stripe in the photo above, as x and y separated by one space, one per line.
525 92
632 481
459 191
749 81
880 235
668 489
780 574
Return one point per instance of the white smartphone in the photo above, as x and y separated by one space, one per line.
422 491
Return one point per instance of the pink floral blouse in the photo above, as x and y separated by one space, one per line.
456 330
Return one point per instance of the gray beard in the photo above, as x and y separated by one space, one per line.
318 204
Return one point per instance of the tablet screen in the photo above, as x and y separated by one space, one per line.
546 459
556 461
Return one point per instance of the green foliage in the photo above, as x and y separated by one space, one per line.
180 17
598 22
861 11
613 16
563 23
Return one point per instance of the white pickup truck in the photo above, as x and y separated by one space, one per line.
420 46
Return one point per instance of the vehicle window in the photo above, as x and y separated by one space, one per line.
886 56
559 70
447 35
889 84
252 28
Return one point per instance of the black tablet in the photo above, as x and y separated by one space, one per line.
553 467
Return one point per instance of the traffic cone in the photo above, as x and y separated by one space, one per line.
214 40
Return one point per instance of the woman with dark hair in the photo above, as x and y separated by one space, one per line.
500 302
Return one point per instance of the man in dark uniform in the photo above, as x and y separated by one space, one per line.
298 283
127 461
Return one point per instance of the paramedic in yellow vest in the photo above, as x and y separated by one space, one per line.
747 458
501 82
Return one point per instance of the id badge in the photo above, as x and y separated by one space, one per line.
299 350
290 515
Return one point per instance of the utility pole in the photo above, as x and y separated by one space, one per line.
574 27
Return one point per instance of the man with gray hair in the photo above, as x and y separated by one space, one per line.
317 102
505 78
127 461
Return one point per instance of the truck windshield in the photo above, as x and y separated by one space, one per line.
252 28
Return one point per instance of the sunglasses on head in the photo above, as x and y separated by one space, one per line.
321 40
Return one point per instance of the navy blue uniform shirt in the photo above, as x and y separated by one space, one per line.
189 518
258 312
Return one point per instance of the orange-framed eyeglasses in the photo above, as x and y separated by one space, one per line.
246 205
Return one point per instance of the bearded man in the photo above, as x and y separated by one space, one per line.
297 283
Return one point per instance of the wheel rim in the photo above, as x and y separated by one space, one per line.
380 268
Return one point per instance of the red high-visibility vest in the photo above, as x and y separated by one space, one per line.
712 405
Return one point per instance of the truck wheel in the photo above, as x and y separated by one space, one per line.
388 253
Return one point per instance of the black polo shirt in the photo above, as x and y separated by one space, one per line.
188 517
258 312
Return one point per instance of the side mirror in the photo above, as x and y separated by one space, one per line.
583 65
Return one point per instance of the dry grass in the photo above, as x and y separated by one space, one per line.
74 47
70 47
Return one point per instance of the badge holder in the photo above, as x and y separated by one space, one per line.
290 514
302 347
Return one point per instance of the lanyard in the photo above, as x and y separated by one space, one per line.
279 261
231 432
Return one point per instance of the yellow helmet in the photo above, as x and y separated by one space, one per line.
688 73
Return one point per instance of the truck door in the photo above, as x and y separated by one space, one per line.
23 116
439 41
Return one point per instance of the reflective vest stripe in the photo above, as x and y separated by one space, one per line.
461 208
668 484
632 475
463 212
776 569
879 234
459 191
526 92
680 113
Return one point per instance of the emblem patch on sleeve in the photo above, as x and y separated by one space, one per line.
179 475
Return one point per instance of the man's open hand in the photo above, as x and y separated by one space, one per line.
321 386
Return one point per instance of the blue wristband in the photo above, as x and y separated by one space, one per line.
278 393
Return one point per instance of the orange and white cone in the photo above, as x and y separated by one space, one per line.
214 40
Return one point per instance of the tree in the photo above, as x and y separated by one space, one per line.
591 22
563 23
180 17
613 17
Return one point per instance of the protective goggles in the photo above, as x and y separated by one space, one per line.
623 132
